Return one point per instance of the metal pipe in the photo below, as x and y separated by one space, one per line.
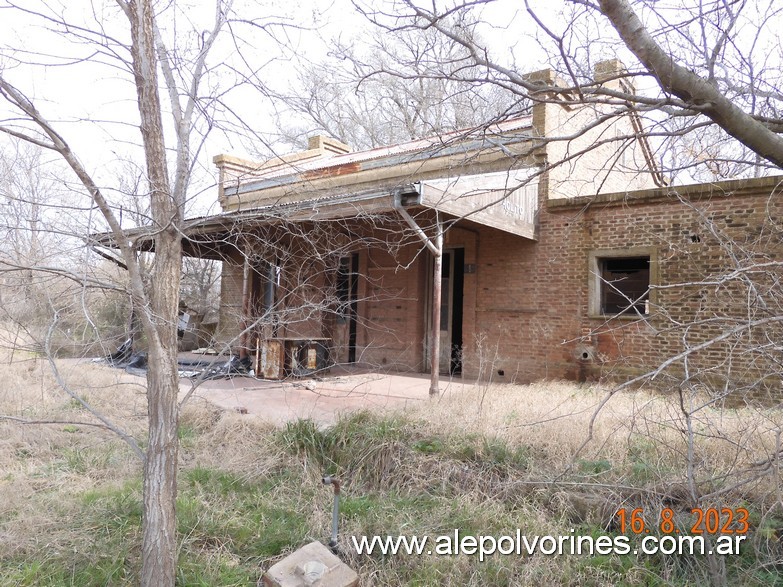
436 249
412 223
437 280
329 480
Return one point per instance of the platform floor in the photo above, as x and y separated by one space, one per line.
322 398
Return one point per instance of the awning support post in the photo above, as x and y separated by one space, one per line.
436 248
437 280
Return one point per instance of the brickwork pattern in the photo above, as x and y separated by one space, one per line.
535 320
527 312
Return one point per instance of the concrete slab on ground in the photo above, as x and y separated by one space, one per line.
321 399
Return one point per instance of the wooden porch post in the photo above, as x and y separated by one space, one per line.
437 278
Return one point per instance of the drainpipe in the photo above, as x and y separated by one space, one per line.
411 222
436 249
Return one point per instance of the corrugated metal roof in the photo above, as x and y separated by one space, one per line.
322 163
455 143
287 211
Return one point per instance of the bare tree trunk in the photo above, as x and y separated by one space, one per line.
159 527
159 530
154 296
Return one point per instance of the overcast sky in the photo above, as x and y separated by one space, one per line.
78 81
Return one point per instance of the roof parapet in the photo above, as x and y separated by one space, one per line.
234 170
550 84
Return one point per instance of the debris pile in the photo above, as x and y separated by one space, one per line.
215 368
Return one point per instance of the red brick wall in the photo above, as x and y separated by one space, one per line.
391 308
230 314
532 314
526 307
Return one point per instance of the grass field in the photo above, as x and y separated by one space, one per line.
485 462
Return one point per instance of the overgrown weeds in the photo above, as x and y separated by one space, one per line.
506 458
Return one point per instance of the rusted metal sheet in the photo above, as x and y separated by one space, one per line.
312 359
270 359
277 358
333 171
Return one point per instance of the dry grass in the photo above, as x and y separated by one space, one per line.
482 461
561 423
45 464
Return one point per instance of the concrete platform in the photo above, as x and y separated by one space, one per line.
323 398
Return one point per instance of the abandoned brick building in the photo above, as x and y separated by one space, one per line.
558 258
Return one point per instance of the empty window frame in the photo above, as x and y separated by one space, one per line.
620 283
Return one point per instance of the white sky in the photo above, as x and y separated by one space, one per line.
93 102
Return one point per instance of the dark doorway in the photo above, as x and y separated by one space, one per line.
456 314
265 281
347 298
452 279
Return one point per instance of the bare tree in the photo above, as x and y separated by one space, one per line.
172 79
379 90
715 66
437 60
712 85
200 285
27 194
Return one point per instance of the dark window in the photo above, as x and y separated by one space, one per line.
624 285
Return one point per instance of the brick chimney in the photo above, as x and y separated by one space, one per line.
611 73
327 145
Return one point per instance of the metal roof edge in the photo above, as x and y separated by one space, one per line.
389 159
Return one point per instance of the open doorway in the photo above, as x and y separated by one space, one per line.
347 298
451 311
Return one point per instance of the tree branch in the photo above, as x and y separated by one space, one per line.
690 87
